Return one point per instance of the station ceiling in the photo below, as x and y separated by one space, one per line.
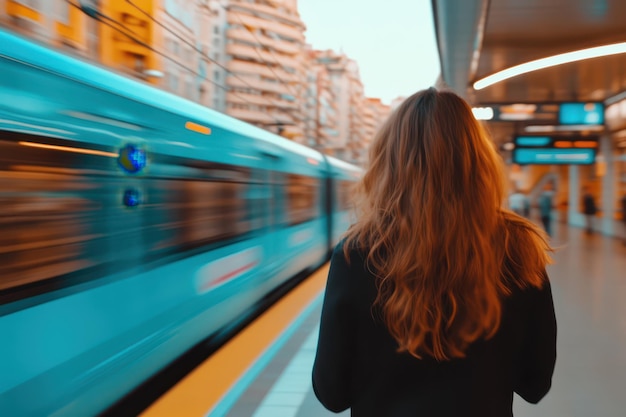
477 38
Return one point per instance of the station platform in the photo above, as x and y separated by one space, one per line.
265 371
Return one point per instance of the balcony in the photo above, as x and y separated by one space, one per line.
248 99
263 101
250 116
255 54
257 69
284 47
281 117
287 31
293 132
292 19
246 82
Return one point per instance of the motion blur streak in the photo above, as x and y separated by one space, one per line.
67 149
127 237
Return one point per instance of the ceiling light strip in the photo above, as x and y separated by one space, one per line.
551 61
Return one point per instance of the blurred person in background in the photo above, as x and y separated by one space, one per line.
526 206
545 204
589 209
519 203
437 301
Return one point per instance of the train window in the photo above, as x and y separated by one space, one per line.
214 210
64 220
303 195
258 196
50 212
187 213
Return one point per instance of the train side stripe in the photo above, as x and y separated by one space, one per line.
230 275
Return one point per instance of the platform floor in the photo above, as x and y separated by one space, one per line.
589 286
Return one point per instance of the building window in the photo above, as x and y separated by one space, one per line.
173 83
216 75
63 12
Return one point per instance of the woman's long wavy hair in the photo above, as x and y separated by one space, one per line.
430 216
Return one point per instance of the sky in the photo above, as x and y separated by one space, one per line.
393 41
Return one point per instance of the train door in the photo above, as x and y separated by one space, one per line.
273 210
328 211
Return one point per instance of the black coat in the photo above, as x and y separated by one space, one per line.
357 366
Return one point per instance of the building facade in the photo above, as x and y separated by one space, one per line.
375 113
52 21
346 85
320 107
128 37
266 76
119 34
184 37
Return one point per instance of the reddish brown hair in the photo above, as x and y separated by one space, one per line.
431 219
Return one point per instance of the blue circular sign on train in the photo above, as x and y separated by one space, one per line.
132 159
132 198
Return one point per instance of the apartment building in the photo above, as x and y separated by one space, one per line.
264 45
320 107
357 130
349 98
184 37
116 33
375 113
396 102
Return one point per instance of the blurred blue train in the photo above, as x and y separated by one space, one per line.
134 225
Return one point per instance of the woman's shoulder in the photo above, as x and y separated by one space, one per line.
349 271
349 253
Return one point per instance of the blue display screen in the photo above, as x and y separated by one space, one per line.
581 114
132 198
553 156
532 140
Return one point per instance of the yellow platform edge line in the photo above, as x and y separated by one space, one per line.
201 390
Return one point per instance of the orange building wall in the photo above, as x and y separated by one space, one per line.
118 50
71 33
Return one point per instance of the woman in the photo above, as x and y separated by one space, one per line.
437 301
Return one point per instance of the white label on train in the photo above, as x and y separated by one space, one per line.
300 237
226 269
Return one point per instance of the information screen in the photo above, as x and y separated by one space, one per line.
574 150
581 113
543 156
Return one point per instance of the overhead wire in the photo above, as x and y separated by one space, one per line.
149 16
120 28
